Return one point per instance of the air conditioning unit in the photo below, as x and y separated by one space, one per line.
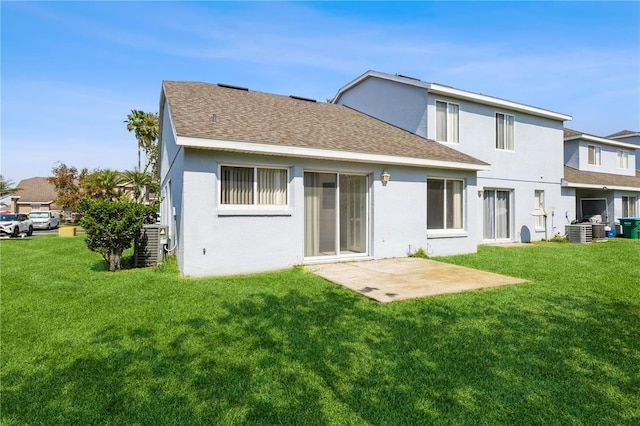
149 246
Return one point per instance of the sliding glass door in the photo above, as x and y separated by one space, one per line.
336 214
497 215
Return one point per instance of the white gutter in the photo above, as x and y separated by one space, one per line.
568 184
596 139
324 154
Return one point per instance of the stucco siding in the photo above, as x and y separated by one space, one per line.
216 241
608 160
395 103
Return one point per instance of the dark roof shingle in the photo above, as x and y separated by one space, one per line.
36 190
605 179
258 117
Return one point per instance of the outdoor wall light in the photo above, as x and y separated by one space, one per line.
480 192
384 177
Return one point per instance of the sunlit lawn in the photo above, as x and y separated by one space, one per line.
80 345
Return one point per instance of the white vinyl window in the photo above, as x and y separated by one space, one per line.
538 204
594 155
623 159
444 203
447 122
253 186
629 206
504 131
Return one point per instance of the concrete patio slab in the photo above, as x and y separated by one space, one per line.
387 280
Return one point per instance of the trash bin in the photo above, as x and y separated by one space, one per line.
630 227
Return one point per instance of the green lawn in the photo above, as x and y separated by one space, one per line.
80 345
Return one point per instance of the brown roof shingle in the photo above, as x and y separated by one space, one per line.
265 118
605 179
36 190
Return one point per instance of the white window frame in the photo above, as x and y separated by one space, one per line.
538 203
452 120
597 155
254 208
508 131
623 159
443 208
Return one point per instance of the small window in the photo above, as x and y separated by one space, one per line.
623 160
538 204
253 186
594 155
629 206
504 132
444 204
447 122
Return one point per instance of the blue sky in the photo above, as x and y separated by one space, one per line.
72 71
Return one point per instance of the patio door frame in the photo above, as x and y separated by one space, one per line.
490 218
351 215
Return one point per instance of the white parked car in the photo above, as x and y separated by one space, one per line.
45 219
14 224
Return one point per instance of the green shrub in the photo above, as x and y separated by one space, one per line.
111 226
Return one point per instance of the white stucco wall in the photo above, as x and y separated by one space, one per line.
535 163
609 159
395 103
216 241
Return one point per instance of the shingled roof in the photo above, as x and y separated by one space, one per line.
218 112
35 190
576 178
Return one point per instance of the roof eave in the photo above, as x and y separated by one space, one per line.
324 154
596 139
455 93
579 185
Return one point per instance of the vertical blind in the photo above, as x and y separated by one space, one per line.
239 186
447 122
504 131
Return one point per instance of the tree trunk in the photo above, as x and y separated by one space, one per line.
114 260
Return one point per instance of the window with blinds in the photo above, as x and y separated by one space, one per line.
504 132
253 186
447 122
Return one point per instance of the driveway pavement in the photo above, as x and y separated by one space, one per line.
386 280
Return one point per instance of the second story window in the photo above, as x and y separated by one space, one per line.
623 159
594 155
447 122
504 131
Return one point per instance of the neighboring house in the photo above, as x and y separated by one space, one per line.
631 137
252 181
600 174
523 144
34 194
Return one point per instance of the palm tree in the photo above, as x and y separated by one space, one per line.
103 184
7 186
139 182
145 127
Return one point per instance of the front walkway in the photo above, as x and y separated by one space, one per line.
403 278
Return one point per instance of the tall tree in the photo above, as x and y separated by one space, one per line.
145 127
67 182
7 186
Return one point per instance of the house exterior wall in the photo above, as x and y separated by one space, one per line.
222 241
609 159
171 188
375 96
535 163
572 154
